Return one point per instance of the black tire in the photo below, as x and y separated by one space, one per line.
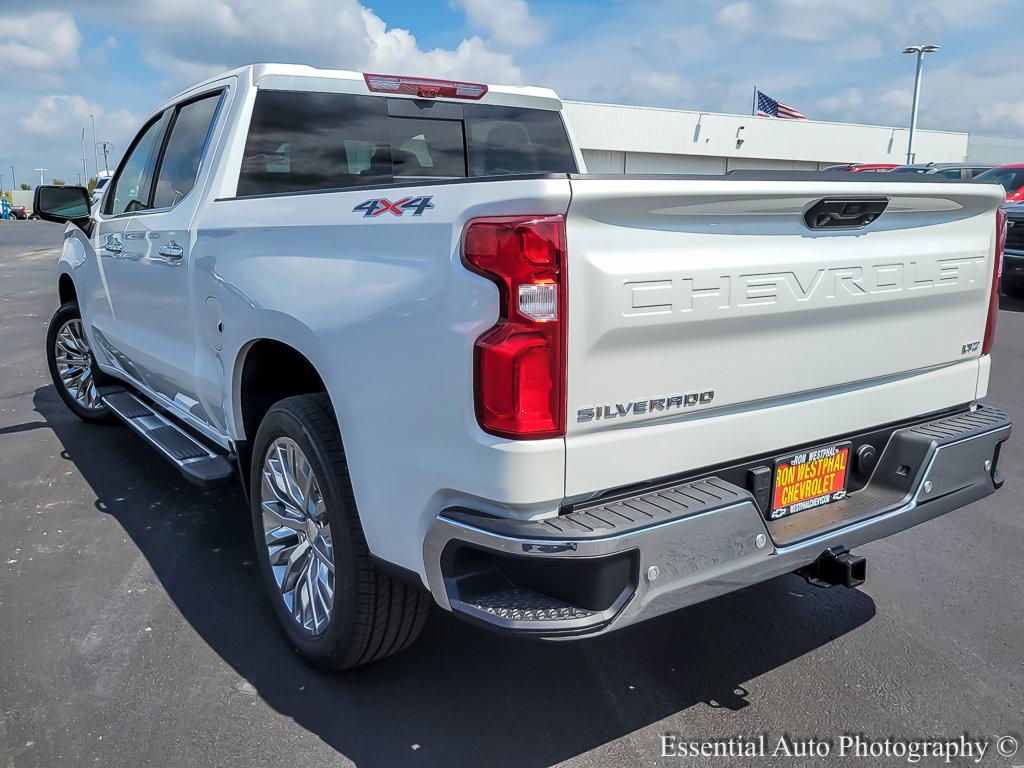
68 312
373 614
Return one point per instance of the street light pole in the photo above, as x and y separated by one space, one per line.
85 171
41 172
920 51
95 151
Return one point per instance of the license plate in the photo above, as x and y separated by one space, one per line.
809 479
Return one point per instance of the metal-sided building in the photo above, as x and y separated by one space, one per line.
627 139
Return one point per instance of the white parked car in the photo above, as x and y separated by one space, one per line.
97 191
449 366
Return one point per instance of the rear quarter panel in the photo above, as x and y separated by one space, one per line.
385 311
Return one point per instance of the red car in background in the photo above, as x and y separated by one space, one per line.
862 167
1010 176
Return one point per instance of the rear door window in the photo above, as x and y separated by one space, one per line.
300 141
180 162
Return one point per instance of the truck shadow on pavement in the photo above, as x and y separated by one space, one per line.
460 696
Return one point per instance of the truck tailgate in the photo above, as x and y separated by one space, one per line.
708 322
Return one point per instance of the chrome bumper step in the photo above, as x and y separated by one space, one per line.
198 463
647 551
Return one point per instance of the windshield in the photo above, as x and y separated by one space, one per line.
1012 179
908 169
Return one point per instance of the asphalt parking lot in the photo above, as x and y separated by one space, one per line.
134 630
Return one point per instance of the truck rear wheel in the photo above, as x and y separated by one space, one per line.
336 607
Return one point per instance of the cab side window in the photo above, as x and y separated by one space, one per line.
134 181
180 163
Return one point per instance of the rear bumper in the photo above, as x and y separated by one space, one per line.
647 553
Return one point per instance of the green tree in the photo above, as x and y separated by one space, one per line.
58 182
7 195
26 186
91 185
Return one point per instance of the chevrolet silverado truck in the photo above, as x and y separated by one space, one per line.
451 367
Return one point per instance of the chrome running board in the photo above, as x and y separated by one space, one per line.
197 462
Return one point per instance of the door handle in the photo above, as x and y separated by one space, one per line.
172 250
113 245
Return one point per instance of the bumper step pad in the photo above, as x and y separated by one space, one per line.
197 463
618 516
518 604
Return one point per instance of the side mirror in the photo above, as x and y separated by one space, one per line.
62 204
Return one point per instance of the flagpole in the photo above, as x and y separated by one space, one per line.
753 104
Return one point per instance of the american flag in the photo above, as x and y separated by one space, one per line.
769 107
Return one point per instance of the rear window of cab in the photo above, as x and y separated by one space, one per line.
303 141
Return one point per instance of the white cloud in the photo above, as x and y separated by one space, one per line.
974 96
39 41
737 20
62 117
193 39
842 103
896 98
506 21
97 56
1004 113
660 87
396 50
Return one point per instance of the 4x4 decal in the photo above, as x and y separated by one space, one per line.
382 205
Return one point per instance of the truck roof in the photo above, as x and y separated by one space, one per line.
302 76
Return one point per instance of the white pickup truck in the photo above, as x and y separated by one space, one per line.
450 366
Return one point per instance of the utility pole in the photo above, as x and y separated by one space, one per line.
106 153
95 156
14 183
920 50
41 172
85 171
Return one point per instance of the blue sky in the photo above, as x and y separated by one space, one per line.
833 60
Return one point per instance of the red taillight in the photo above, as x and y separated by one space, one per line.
424 87
520 362
997 272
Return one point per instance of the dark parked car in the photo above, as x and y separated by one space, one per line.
1013 255
961 171
1012 179
19 212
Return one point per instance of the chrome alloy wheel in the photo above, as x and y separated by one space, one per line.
297 535
75 365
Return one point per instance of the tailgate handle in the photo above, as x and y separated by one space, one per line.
845 212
